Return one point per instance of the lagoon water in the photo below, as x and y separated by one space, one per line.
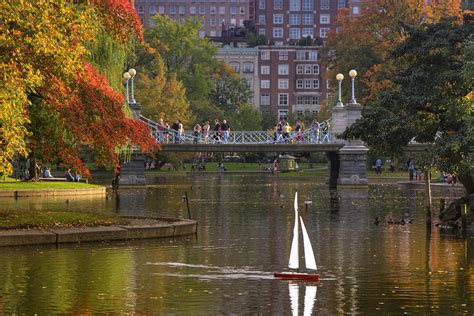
244 234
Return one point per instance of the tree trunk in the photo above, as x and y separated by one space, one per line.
33 169
467 181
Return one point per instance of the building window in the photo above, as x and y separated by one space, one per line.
283 99
261 31
222 10
233 10
295 19
295 5
307 32
235 66
341 4
278 19
242 10
308 69
203 22
265 70
324 19
264 99
278 4
261 19
212 33
202 10
283 70
283 84
248 67
161 9
324 4
308 19
300 55
307 100
261 4
315 69
355 10
299 69
141 9
308 84
212 22
264 84
283 55
202 34
323 32
308 5
192 10
265 55
213 10
282 115
152 9
295 33
172 9
299 84
315 84
278 32
312 55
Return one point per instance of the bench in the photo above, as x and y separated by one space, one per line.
62 180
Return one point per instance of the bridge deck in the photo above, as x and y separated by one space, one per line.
287 148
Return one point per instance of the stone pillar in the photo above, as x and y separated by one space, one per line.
133 171
339 119
136 110
353 156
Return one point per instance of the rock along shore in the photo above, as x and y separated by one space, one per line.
139 228
101 192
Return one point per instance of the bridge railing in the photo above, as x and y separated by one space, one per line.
309 136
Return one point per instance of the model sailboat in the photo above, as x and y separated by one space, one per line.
294 262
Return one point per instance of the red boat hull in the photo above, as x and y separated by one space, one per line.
296 276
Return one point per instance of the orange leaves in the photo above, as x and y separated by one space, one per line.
119 19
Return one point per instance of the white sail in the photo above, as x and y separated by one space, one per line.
309 298
294 298
308 250
294 262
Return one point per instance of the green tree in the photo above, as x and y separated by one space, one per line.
246 119
431 101
230 91
253 40
184 53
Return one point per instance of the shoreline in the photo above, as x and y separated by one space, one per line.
139 228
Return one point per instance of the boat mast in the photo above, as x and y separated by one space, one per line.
294 262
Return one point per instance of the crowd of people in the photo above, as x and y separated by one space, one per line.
319 132
205 133
219 132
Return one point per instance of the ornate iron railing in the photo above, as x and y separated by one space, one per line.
309 136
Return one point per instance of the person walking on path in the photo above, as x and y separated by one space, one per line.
411 169
378 166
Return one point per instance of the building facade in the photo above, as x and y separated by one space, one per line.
244 61
212 13
290 80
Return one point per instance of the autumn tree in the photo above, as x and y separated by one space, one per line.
163 98
430 100
364 42
48 86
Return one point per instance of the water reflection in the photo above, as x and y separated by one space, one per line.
309 298
245 229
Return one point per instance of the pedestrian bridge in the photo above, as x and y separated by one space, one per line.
244 141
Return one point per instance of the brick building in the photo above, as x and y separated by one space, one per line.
211 13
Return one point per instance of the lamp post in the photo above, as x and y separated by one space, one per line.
353 74
127 77
339 78
132 72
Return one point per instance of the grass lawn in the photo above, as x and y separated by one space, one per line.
49 219
18 185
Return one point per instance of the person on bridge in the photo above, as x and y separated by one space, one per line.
197 133
180 132
325 128
299 130
205 132
160 128
225 131
286 132
315 131
174 130
281 125
217 132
